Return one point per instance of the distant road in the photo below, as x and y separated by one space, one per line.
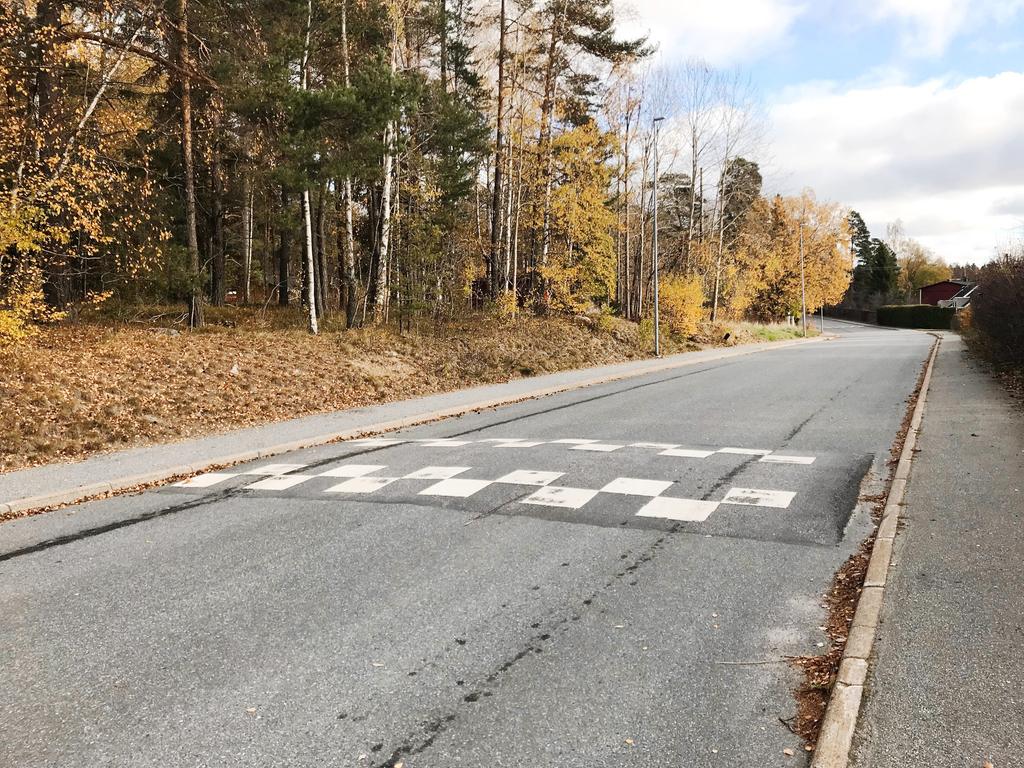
554 583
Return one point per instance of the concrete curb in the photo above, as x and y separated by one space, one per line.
837 729
87 492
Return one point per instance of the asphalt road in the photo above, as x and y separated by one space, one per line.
364 617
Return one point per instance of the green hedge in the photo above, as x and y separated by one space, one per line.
916 316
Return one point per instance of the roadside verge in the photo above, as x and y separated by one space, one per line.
837 729
39 489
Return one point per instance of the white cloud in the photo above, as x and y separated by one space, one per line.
724 32
929 26
942 155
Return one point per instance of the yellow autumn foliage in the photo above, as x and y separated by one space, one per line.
682 304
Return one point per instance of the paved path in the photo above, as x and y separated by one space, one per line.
947 682
581 580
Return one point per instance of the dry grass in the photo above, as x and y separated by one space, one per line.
80 389
124 379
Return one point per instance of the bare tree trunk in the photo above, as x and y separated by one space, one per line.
494 263
195 305
307 221
380 302
348 249
247 222
320 253
218 286
284 255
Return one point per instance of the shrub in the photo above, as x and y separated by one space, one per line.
682 305
997 318
916 316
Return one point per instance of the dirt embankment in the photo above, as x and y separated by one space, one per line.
79 389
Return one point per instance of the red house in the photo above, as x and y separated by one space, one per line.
944 291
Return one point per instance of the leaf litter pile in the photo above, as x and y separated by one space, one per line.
80 389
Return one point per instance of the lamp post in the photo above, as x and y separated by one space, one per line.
803 281
654 243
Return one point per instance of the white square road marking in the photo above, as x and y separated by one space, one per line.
353 470
436 473
362 485
456 487
444 443
529 477
572 441
658 446
555 496
687 453
502 440
600 447
754 497
683 510
205 481
275 469
745 451
279 482
631 486
377 441
519 444
776 458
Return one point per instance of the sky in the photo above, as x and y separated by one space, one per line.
899 109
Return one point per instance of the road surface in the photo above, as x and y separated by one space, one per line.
564 582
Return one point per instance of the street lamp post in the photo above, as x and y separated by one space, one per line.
803 282
654 243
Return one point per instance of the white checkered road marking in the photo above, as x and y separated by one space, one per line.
279 482
682 510
436 473
555 496
745 451
353 470
456 487
205 481
529 477
754 497
599 447
362 485
518 444
775 458
688 453
630 486
275 469
362 479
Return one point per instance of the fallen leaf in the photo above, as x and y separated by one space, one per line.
629 741
250 710
788 752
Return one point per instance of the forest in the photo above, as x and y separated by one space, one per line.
376 162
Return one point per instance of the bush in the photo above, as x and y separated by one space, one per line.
916 316
682 305
997 320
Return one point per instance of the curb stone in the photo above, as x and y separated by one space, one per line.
87 492
837 729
